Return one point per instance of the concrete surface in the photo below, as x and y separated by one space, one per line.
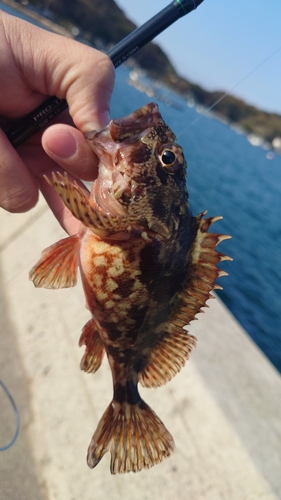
223 409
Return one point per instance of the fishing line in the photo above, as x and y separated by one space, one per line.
233 88
241 81
17 417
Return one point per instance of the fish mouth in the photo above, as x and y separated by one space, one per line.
109 144
136 123
131 128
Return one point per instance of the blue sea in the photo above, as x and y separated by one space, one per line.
228 176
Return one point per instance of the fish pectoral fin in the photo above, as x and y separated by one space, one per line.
94 351
168 356
93 218
135 436
57 267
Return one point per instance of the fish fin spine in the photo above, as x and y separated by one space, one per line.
57 267
95 350
134 434
203 260
174 347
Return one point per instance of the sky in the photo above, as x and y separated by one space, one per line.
228 45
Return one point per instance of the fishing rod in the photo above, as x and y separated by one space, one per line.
53 106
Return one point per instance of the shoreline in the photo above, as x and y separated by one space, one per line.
263 129
33 15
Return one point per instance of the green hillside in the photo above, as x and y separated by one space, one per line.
102 23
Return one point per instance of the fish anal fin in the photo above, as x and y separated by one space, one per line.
136 437
168 356
98 221
57 267
94 351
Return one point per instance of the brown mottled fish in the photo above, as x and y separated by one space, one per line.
147 267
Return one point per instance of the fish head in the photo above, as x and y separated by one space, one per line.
142 171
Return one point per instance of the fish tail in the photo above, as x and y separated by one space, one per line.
135 436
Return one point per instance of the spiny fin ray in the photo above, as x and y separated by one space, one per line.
203 272
173 349
76 201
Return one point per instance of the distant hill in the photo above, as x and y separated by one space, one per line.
103 23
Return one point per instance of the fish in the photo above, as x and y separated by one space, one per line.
147 267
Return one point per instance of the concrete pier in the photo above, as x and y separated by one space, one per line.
223 409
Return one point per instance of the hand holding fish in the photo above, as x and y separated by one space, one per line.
35 64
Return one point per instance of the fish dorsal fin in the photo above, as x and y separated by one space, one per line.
77 202
57 267
175 344
203 272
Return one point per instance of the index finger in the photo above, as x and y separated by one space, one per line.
18 187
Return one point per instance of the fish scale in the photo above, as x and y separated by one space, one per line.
147 267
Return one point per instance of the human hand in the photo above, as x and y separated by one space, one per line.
35 64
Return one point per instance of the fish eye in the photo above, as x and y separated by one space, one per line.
171 158
168 157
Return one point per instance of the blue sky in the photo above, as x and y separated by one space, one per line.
221 43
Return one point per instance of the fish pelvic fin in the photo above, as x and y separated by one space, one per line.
57 267
94 351
136 437
76 201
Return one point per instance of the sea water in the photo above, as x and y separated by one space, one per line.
228 176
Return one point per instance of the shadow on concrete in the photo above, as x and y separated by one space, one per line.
18 474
